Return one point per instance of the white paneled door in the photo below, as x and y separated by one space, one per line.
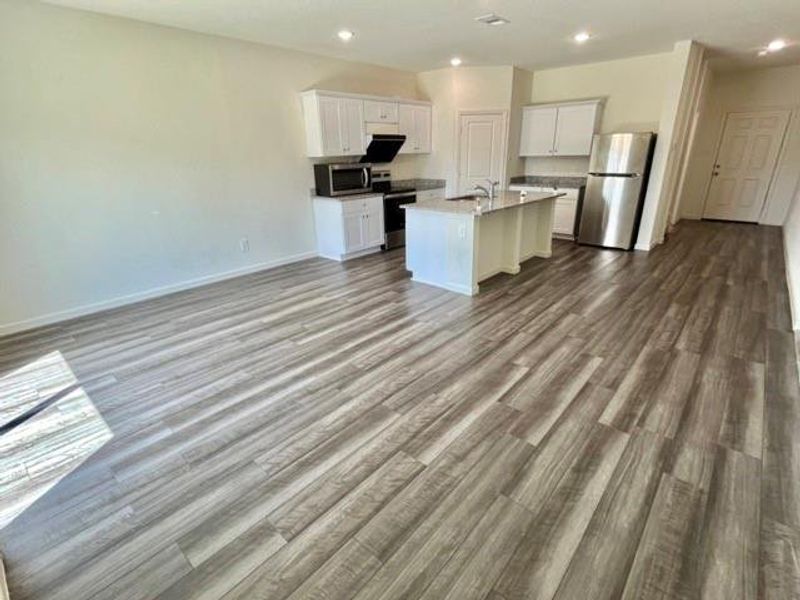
746 160
481 149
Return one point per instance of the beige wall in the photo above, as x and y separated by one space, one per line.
134 157
681 94
757 89
457 89
633 89
521 83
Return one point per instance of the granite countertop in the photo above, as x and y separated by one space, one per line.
348 196
559 181
503 200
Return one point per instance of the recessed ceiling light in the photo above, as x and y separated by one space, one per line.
492 19
455 61
776 45
581 37
346 35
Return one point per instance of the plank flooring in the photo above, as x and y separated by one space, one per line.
603 425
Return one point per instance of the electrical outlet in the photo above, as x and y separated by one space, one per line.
244 245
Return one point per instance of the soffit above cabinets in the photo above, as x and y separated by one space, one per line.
368 97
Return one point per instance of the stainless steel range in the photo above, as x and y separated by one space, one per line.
394 217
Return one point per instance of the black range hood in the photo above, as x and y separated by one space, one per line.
383 147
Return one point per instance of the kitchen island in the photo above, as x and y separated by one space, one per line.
456 244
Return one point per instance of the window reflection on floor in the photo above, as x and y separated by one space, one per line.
40 451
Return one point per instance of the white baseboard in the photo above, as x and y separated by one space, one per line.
458 289
88 309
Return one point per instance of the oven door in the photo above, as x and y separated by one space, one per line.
350 179
394 218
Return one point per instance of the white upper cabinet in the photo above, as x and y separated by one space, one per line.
352 123
423 116
574 129
414 121
538 131
380 112
559 130
331 140
334 125
337 124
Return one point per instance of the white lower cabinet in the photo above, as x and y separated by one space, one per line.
565 210
348 228
564 216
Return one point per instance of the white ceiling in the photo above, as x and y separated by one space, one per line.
423 34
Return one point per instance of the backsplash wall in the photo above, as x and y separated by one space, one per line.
546 165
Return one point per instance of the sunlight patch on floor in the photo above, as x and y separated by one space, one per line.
40 451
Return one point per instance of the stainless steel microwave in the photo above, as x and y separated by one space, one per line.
340 179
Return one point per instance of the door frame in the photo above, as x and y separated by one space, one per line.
503 142
791 110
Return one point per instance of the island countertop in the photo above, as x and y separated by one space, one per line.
503 200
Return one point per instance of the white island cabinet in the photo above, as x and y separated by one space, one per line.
457 244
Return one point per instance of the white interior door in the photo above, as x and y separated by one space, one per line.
481 149
745 163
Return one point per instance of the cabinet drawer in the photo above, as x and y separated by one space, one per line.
380 112
362 205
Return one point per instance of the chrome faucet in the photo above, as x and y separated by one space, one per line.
489 190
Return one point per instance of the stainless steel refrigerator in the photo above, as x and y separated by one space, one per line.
615 188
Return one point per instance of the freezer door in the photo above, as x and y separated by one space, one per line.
610 211
618 153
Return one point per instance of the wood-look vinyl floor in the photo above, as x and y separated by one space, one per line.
603 425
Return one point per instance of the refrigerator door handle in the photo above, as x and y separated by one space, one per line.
628 175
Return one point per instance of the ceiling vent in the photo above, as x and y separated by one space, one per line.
492 19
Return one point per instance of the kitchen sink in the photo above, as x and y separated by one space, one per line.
467 198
